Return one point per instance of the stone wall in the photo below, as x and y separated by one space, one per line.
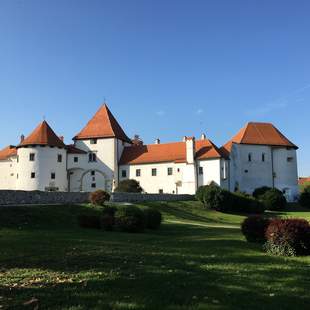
12 197
136 197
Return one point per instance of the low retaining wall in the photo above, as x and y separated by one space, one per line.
8 197
136 197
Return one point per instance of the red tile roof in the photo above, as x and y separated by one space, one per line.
43 135
8 152
258 134
102 125
167 152
302 181
72 149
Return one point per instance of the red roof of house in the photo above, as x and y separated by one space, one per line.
167 152
43 135
72 149
102 125
258 134
8 152
302 181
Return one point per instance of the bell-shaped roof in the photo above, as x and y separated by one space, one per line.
102 125
43 135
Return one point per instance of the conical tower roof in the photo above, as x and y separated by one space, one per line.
102 125
43 135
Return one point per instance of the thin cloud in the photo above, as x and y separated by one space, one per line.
279 103
160 113
199 111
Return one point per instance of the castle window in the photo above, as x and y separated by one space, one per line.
93 141
92 157
170 171
263 157
93 185
53 175
17 176
290 159
200 170
31 157
59 158
138 172
93 172
76 159
124 173
178 170
154 172
160 191
33 175
250 157
17 159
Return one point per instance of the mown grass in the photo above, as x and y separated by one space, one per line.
197 260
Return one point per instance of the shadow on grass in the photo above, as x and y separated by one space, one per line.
178 267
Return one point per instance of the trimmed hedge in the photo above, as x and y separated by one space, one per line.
274 200
304 199
288 237
89 221
129 186
214 197
260 191
99 197
130 219
254 228
153 218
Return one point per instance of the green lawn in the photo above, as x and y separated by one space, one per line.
197 260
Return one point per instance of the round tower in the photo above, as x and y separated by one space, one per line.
41 161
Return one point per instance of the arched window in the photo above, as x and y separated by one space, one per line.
263 157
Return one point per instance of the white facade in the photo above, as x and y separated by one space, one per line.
95 163
253 166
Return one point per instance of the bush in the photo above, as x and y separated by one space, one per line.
288 237
260 191
89 221
129 186
304 199
200 193
108 219
254 228
216 198
99 197
245 203
130 219
153 217
274 200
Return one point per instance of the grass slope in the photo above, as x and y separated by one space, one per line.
197 260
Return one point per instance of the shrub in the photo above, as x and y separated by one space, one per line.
129 186
245 203
304 199
216 198
200 193
274 200
99 197
260 191
153 217
108 219
288 237
130 219
254 228
89 221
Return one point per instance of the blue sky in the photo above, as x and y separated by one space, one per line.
167 68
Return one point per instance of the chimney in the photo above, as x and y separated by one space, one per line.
22 138
61 138
190 150
184 138
203 136
157 141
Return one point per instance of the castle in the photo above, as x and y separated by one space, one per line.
102 155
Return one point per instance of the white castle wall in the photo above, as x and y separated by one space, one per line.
44 164
8 173
162 181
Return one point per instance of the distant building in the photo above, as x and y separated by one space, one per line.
102 155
